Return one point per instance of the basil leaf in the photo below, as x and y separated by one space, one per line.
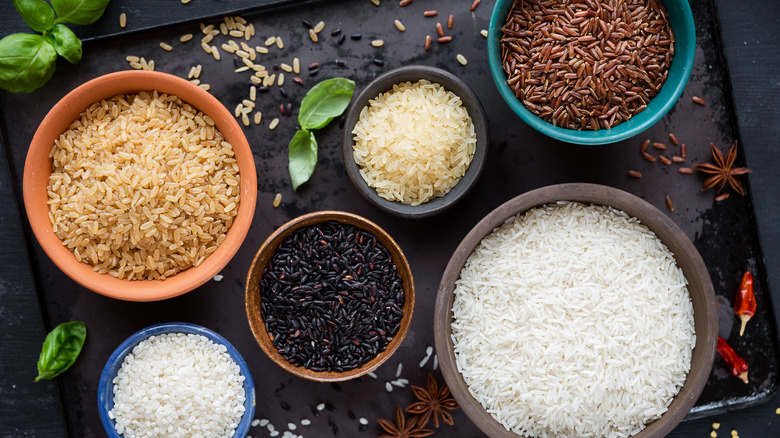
36 13
79 11
65 42
60 349
26 62
303 157
324 101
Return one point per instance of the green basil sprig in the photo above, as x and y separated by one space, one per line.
322 103
60 349
27 61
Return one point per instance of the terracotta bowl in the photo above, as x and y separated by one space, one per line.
384 83
37 169
687 258
253 297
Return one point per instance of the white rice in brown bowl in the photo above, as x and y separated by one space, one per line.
573 320
414 142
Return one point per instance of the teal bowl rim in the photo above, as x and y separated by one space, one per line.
681 20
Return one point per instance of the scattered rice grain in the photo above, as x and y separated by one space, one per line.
165 46
273 123
122 20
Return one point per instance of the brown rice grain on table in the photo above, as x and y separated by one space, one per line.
122 20
186 37
635 174
142 186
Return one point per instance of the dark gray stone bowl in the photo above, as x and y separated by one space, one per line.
450 82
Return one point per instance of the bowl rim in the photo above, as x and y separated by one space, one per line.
658 222
656 109
266 251
105 385
37 170
384 83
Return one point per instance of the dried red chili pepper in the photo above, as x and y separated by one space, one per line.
745 301
737 366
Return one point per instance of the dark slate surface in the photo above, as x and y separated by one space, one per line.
750 31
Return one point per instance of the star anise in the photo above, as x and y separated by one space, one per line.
434 403
723 170
403 428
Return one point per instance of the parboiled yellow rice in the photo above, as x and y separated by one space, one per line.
414 143
142 186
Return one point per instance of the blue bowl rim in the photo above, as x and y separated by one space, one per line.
656 109
105 386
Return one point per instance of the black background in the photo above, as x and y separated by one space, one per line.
749 31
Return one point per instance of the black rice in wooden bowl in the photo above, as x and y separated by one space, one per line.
331 297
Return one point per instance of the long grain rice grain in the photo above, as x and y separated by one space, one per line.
573 320
414 143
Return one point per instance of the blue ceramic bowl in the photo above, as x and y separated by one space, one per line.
681 20
105 387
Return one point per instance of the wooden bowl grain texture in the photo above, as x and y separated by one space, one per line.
37 169
384 83
687 258
252 297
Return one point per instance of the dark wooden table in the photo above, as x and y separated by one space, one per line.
751 31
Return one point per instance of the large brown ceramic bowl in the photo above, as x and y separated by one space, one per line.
687 258
37 169
253 298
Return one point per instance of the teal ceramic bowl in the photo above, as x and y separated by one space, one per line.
681 19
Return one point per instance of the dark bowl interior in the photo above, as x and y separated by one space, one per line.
450 82
252 298
687 258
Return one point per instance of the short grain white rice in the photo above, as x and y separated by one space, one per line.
414 143
178 385
573 320
140 186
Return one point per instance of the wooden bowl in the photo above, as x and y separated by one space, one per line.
253 299
384 83
37 169
687 258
